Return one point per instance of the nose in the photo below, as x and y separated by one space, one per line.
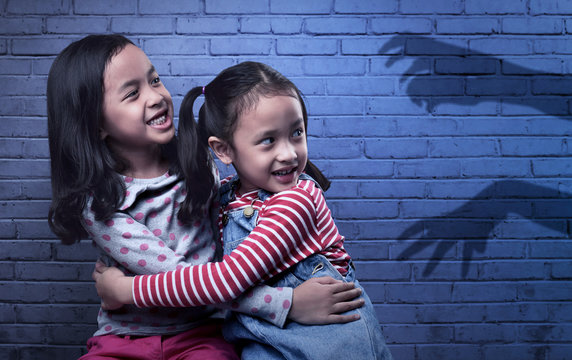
286 152
154 97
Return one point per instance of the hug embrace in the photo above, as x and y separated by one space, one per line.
193 266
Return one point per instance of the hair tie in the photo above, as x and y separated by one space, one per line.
203 90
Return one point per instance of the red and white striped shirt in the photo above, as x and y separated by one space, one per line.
292 225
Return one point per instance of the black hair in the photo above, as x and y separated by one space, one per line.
233 91
81 163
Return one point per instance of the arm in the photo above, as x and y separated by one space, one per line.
315 301
286 234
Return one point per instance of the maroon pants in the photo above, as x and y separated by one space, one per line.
205 342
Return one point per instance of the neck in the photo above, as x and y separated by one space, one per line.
145 164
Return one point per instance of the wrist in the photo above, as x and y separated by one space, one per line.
125 290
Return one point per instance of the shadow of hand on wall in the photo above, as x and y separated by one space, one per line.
475 220
438 73
449 73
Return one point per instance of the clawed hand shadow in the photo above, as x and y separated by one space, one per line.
478 217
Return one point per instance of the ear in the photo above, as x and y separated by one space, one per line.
102 134
222 149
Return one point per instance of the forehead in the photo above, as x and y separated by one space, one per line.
129 63
271 112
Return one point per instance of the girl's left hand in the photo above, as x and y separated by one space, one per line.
113 287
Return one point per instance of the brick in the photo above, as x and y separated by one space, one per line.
468 66
249 46
433 86
552 46
497 87
404 66
49 7
53 271
546 66
23 209
335 148
21 26
398 148
418 293
21 250
360 209
391 271
44 46
334 105
147 25
305 46
255 25
561 270
429 168
428 46
500 46
517 351
356 168
496 7
551 167
15 67
337 25
534 106
175 46
484 292
13 148
27 168
55 313
495 167
550 7
358 126
459 189
392 189
168 7
516 312
485 333
552 87
236 7
76 25
300 6
210 25
286 25
360 86
105 7
534 147
49 352
395 106
435 7
467 26
420 334
536 25
550 249
545 333
365 7
339 66
527 229
400 25
512 270
364 47
456 351
462 147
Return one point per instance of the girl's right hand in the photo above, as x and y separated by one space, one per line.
113 287
321 300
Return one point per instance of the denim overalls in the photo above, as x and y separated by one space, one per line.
361 339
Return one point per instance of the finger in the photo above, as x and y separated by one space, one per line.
343 307
342 319
327 280
342 286
100 267
95 275
347 295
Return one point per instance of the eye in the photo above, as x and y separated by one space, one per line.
298 132
132 94
267 141
155 81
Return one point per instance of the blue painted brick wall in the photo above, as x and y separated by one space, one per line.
444 125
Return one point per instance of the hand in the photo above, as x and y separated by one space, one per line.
321 300
113 287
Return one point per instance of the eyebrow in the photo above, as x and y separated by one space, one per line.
269 133
134 82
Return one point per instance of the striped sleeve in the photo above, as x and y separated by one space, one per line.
285 235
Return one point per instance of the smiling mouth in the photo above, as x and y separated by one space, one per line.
285 172
158 121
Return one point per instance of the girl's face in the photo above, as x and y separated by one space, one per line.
137 109
269 145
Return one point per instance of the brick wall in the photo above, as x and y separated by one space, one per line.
445 126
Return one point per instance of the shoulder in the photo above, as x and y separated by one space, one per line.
305 194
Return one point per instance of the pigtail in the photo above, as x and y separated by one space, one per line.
195 160
317 175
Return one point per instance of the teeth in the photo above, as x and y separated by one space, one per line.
158 121
280 173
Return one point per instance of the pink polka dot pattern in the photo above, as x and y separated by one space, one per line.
109 223
268 299
139 216
144 247
161 244
128 179
172 236
157 232
196 256
254 310
124 250
153 214
167 201
106 237
142 263
286 304
162 257
129 220
126 235
272 316
89 222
